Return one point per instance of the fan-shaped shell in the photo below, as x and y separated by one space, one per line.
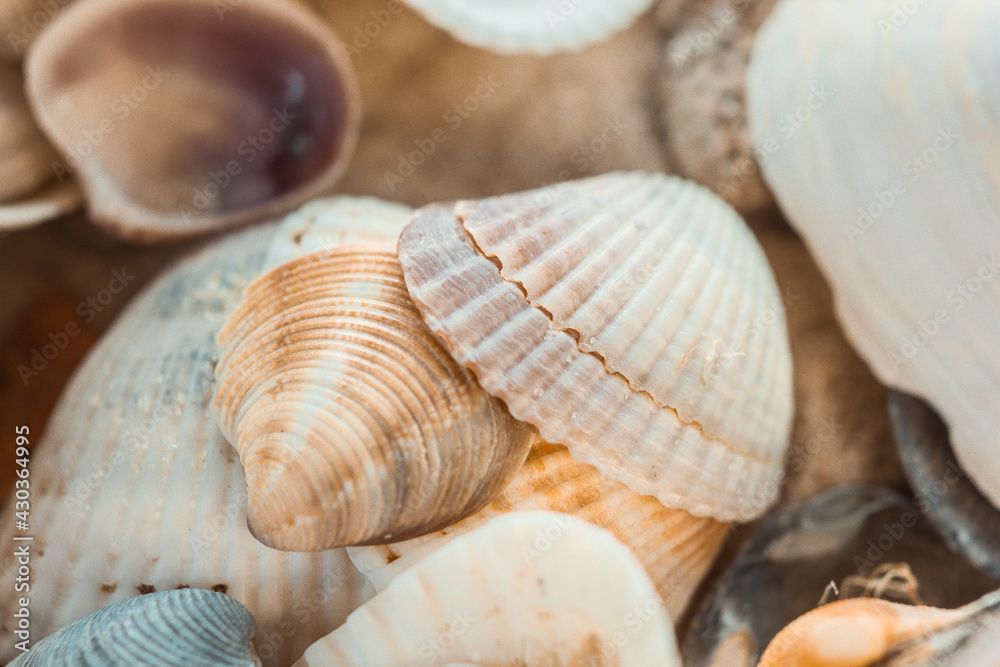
537 26
353 423
621 315
138 490
892 176
676 549
194 116
528 588
188 627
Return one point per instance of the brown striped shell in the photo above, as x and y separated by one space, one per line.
353 424
676 548
632 317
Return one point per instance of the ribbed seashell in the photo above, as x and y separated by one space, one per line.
353 423
134 488
26 160
892 176
617 314
528 588
859 632
535 26
173 628
194 116
676 549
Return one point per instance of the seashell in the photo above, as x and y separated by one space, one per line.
183 627
514 591
21 21
615 315
703 67
675 548
964 518
135 489
535 26
254 112
353 424
864 539
855 633
892 177
25 163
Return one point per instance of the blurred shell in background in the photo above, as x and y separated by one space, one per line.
676 549
29 191
182 628
138 491
616 315
515 591
535 26
20 23
194 116
353 424
892 175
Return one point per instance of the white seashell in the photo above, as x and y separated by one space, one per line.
188 627
536 26
528 588
327 223
865 631
621 324
48 203
194 116
676 549
134 488
892 176
353 424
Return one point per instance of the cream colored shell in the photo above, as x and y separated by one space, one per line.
135 489
630 317
536 26
528 588
353 423
892 176
676 548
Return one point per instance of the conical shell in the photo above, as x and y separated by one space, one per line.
631 317
135 489
188 627
353 423
891 174
676 549
862 631
194 116
536 26
528 588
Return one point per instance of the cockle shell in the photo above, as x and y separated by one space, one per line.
859 632
353 423
892 176
536 26
528 588
194 116
26 163
173 628
615 314
135 489
676 549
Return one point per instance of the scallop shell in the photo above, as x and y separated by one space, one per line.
26 163
619 315
194 116
353 423
135 489
858 632
535 26
676 549
515 591
892 176
174 628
